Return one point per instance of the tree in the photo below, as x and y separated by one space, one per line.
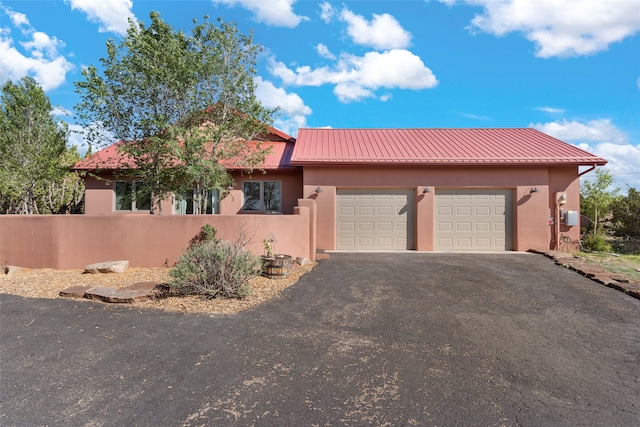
32 143
184 106
596 199
626 215
66 194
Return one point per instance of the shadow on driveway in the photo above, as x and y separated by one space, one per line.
365 339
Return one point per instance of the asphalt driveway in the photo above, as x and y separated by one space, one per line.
365 339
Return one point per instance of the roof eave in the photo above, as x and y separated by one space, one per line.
452 162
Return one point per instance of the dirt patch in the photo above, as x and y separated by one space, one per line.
626 265
47 283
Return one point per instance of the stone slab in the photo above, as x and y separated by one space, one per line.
75 291
107 267
153 289
112 295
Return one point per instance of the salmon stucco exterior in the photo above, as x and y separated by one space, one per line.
442 189
504 189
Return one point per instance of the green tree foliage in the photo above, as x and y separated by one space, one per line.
66 194
184 105
32 147
596 198
626 215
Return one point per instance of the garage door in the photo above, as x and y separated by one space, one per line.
474 220
375 219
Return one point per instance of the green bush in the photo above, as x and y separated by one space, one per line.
215 268
596 242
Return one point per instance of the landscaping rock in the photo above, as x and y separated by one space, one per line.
303 261
75 291
107 267
112 295
153 289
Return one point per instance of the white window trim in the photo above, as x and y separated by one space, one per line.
262 209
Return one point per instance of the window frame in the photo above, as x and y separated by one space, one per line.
261 202
133 196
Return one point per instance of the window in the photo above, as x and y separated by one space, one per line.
262 196
132 196
184 203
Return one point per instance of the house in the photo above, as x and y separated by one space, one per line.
396 189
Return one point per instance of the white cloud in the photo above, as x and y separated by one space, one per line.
274 12
112 15
59 111
18 19
475 116
604 139
293 110
76 138
560 28
324 52
601 130
382 32
357 77
550 110
623 162
41 60
327 12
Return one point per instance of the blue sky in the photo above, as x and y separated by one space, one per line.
570 68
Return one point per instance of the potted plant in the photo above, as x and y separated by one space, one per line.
274 265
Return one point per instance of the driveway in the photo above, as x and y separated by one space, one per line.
365 339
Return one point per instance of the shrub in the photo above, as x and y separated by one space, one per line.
215 268
596 242
207 234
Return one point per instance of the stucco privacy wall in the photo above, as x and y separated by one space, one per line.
531 210
73 241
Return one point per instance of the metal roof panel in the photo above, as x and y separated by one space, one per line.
420 146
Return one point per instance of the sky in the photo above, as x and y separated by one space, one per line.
569 68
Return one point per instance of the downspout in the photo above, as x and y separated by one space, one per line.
587 171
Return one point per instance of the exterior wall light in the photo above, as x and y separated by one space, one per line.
534 190
425 190
318 190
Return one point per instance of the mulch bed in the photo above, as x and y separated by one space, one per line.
47 283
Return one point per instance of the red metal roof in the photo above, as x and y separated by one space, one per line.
508 146
110 158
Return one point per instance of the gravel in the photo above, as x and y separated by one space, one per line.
47 283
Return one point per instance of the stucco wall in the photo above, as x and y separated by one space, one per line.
100 195
73 241
531 210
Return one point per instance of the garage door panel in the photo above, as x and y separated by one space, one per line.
483 210
483 226
347 211
463 226
384 219
463 210
347 226
470 219
385 226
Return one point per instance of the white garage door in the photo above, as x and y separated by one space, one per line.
474 220
380 219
